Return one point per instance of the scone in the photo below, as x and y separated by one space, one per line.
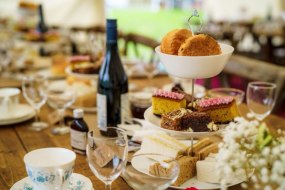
172 41
199 45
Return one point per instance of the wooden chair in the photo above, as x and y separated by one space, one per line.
139 44
252 69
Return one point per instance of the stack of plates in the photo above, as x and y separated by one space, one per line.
20 113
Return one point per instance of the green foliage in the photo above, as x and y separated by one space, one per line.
153 24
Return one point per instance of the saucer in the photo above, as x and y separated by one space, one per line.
20 113
77 181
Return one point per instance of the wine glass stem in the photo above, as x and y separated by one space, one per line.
61 117
37 117
108 186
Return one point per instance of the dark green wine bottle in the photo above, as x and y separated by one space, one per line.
112 91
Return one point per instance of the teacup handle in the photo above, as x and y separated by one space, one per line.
6 103
60 172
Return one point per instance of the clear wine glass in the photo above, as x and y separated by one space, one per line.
34 92
261 98
146 180
150 70
107 156
60 97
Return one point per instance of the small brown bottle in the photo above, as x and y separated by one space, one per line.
78 132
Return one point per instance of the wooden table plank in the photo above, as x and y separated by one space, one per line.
12 167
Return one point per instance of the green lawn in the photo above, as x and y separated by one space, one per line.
154 24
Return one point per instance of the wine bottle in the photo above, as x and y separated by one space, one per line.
112 90
78 132
41 27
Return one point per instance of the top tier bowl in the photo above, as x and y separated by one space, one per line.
195 67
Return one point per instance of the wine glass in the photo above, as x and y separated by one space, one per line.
107 156
60 96
146 180
150 70
261 98
34 92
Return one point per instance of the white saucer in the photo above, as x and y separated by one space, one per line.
19 114
77 181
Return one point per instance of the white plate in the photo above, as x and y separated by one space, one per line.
77 181
155 120
80 75
21 113
193 182
142 164
199 90
195 67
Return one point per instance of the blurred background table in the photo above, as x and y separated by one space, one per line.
16 140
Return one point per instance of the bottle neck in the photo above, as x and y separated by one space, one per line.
42 28
112 46
112 35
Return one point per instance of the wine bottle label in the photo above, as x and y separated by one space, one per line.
102 111
125 108
78 139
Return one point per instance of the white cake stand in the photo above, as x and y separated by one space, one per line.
195 67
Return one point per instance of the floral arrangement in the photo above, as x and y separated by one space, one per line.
248 149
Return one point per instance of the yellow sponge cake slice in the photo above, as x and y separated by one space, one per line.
164 102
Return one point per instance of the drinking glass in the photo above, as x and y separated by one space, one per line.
261 98
60 97
146 181
34 92
107 156
237 94
150 70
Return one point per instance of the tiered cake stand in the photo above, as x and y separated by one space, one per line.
191 67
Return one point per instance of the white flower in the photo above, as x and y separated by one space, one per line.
240 149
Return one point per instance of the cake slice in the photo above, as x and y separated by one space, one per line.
173 120
187 169
203 153
164 102
186 120
220 109
198 122
198 146
187 165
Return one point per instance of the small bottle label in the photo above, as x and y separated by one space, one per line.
78 139
102 111
125 108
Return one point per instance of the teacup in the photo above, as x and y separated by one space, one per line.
9 99
50 168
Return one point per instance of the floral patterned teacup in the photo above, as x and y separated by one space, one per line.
50 168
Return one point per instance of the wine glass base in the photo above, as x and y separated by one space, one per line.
61 130
38 126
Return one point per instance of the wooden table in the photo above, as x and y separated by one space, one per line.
16 140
